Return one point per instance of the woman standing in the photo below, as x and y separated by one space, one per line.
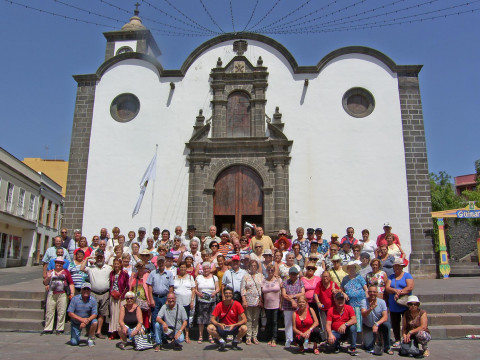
129 320
277 261
214 248
304 243
292 288
111 243
336 273
205 258
310 282
252 300
57 280
127 263
415 325
298 258
118 289
271 289
135 258
305 326
283 244
177 248
165 240
78 276
324 293
82 245
190 269
221 269
368 245
394 249
117 254
399 284
355 288
206 290
386 259
257 255
184 288
138 284
377 277
150 247
285 268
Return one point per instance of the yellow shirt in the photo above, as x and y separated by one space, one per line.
266 241
340 273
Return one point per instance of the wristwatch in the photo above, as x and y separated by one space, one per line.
346 325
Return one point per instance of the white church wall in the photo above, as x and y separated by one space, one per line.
344 170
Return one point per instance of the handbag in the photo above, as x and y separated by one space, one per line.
409 349
237 295
142 341
402 300
115 294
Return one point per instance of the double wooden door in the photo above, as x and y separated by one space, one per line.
238 198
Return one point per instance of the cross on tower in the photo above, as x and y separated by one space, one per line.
136 12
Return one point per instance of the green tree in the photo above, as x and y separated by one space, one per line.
443 193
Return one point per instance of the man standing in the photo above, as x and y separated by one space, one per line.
104 234
99 275
387 229
228 318
190 235
342 323
225 246
65 238
102 245
141 239
233 278
349 237
51 264
51 253
160 283
265 240
375 320
83 315
322 243
171 321
212 236
156 236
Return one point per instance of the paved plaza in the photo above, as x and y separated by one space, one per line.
18 346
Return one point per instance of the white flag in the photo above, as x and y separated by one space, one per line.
149 175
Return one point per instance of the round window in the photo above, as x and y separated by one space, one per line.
125 107
124 49
358 102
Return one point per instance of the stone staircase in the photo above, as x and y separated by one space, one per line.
464 269
453 315
21 310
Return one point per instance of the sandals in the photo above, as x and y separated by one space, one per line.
187 340
121 346
248 341
316 351
210 339
255 341
273 344
426 352
389 352
396 344
200 340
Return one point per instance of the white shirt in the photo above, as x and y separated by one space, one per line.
183 289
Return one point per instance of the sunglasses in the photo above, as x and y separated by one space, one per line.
413 304
271 270
214 246
258 247
129 298
243 240
311 268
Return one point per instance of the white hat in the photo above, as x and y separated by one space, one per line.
225 232
386 223
413 299
352 263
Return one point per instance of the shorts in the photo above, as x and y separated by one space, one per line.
103 303
224 334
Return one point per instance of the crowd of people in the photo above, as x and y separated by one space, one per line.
234 287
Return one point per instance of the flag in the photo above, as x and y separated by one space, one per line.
149 175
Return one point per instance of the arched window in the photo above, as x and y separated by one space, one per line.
238 115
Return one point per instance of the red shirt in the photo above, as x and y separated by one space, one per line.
352 241
326 295
381 237
233 314
338 319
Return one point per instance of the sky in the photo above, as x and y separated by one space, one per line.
42 51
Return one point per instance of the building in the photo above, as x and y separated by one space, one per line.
465 182
246 134
30 212
57 170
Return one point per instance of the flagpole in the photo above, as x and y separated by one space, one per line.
153 194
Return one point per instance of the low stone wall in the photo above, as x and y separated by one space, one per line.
462 238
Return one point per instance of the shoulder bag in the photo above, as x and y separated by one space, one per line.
409 349
142 341
402 300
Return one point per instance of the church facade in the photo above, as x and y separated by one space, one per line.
245 134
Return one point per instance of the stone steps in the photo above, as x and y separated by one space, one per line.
20 325
467 269
454 319
21 303
21 310
453 331
14 313
450 307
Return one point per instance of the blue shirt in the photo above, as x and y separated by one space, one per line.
51 253
51 264
160 282
354 289
374 315
82 308
233 279
398 284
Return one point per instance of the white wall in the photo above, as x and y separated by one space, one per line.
344 170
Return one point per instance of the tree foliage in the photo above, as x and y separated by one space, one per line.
443 193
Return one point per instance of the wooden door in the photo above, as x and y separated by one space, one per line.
238 193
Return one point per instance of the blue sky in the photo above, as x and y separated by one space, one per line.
41 52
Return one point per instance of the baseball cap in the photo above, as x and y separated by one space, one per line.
142 229
86 285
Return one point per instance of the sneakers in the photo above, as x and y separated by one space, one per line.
221 346
235 345
353 352
288 343
90 343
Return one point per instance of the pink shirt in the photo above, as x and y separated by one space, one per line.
271 293
381 238
310 286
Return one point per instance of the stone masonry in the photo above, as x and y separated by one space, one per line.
79 148
423 260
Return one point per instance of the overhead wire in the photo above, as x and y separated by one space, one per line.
266 15
87 11
231 15
289 14
211 17
187 17
251 16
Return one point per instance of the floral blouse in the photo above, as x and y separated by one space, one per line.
251 288
377 280
291 289
354 289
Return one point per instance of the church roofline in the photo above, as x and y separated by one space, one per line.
406 70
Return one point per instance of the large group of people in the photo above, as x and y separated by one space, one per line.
234 287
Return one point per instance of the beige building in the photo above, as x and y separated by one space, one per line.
57 170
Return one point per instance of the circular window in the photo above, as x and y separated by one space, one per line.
358 102
124 49
125 107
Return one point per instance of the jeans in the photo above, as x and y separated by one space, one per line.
350 333
159 302
159 335
76 331
369 337
272 323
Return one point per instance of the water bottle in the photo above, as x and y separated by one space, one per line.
305 343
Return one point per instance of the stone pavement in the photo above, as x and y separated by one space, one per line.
18 346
